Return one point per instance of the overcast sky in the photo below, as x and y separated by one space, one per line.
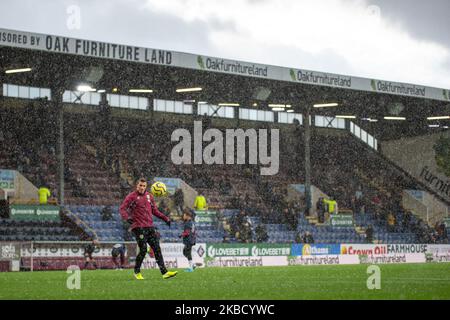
397 40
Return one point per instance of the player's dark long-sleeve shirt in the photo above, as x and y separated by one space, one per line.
189 234
140 208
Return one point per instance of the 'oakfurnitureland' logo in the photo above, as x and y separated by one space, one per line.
231 67
396 88
321 78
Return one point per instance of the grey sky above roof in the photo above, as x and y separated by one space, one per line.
401 40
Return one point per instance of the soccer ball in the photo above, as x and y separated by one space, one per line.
158 189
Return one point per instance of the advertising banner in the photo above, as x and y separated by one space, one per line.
9 251
176 250
174 258
205 216
315 249
394 258
236 250
64 250
363 249
341 220
406 248
34 213
322 260
234 262
97 49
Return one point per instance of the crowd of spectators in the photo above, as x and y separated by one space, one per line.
341 167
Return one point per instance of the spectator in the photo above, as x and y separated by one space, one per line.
178 199
308 238
106 213
320 210
43 193
369 234
200 202
391 222
261 233
298 237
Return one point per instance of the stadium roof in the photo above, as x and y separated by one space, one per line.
68 62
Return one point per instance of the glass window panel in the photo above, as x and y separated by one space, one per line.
46 93
24 92
363 135
143 103
13 90
34 93
95 98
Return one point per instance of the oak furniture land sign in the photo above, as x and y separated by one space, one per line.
34 213
89 48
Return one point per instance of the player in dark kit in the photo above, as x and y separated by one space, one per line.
88 251
138 209
119 250
189 238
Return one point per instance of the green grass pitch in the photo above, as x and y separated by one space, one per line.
408 281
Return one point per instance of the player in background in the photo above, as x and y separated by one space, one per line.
118 251
138 209
88 251
189 238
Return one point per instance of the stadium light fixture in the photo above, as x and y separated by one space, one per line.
18 70
140 90
85 88
277 109
345 117
189 90
255 104
326 105
101 91
395 118
226 104
202 102
280 106
369 119
115 90
439 118
290 111
433 126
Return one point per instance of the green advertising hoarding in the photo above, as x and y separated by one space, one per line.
34 213
205 216
247 250
341 220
